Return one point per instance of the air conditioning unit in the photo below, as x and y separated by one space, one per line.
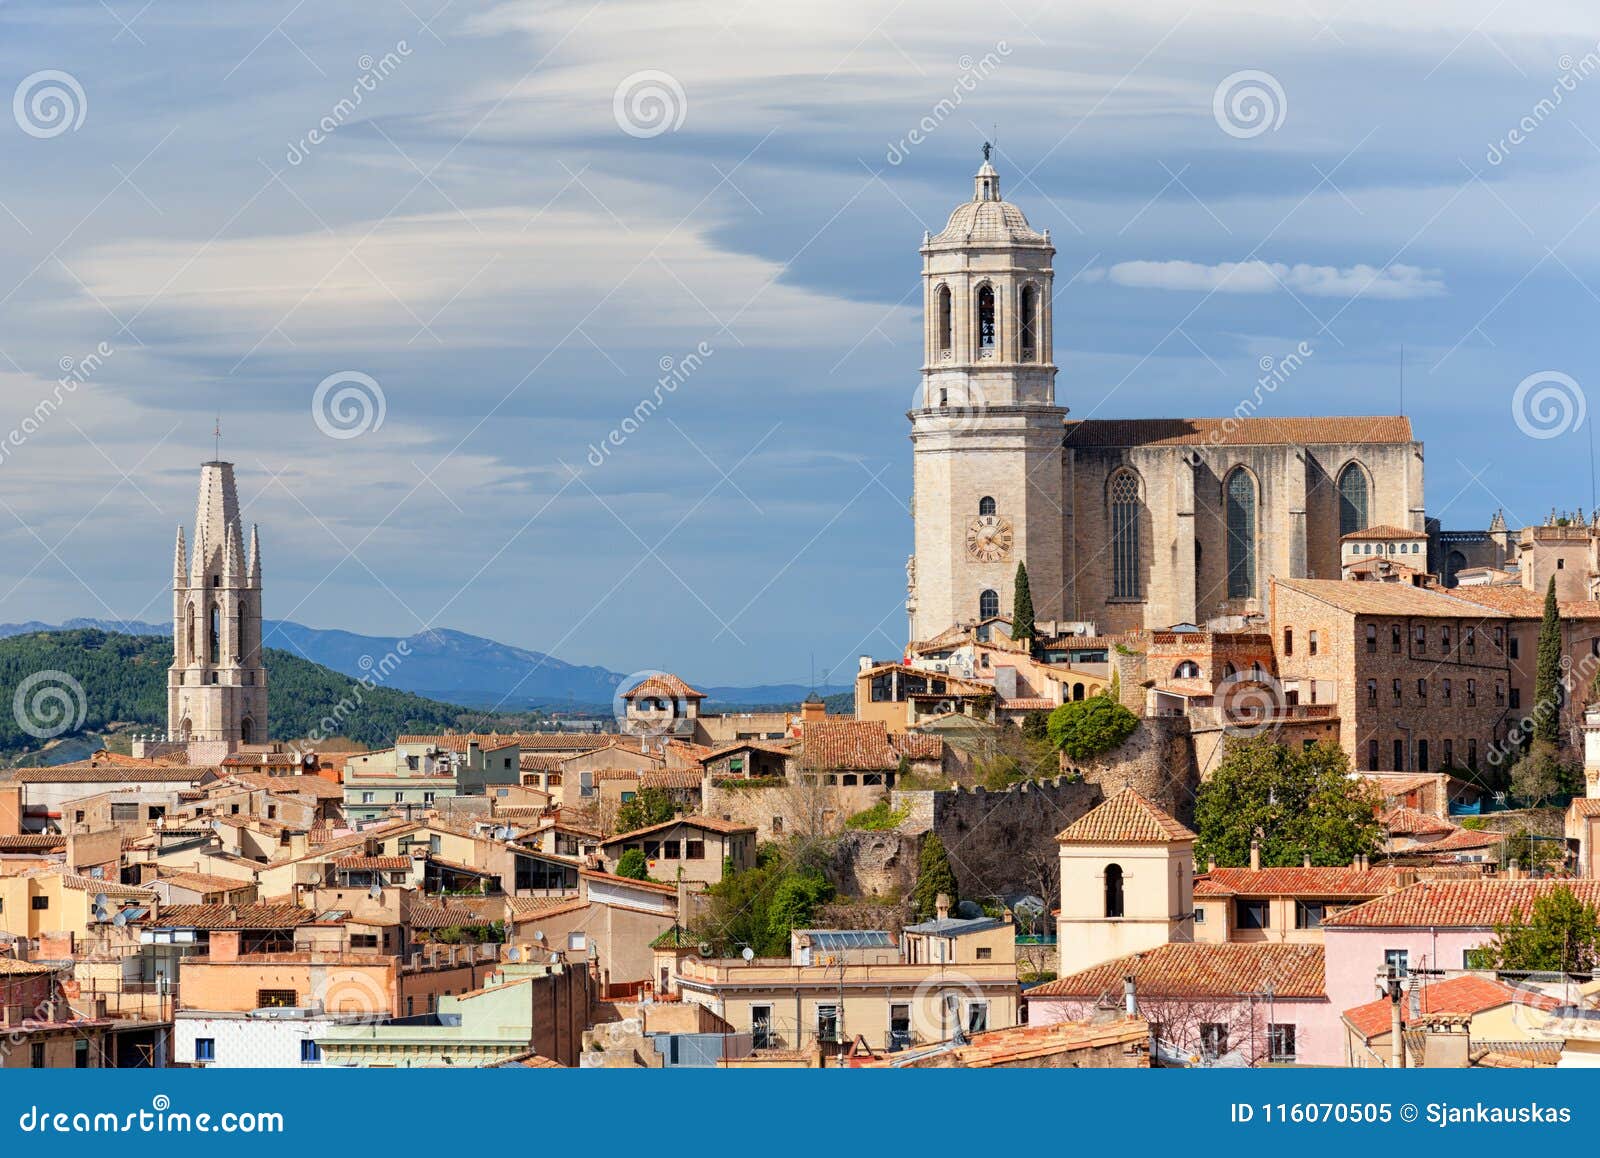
941 667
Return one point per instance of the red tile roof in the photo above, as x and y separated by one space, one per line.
1523 604
231 917
708 823
613 879
671 778
1297 882
1411 822
917 746
663 684
1383 531
373 863
1238 431
1457 904
1198 971
847 746
1126 818
1465 995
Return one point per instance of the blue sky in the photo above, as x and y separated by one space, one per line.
484 238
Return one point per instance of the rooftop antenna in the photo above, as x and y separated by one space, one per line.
1402 379
216 435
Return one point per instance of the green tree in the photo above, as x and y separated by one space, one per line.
934 876
1547 672
1036 725
1022 608
1562 934
650 806
795 898
1294 801
1538 775
632 864
1087 728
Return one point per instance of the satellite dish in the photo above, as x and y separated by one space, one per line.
748 953
513 954
376 891
101 913
120 920
539 936
101 900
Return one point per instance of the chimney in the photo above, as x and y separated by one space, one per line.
863 663
813 711
1514 871
1211 864
1306 861
299 845
1255 856
941 906
1130 998
1355 861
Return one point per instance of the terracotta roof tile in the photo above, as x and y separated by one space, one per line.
709 823
1238 431
115 774
1411 822
1297 882
373 863
612 878
1522 604
671 778
1126 818
1383 531
847 746
1465 995
231 917
1391 598
663 684
1456 904
1185 970
917 746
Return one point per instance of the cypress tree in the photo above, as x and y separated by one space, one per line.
1547 673
1022 608
934 876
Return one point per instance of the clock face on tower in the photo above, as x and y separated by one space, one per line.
989 539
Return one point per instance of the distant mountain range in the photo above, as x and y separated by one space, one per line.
453 666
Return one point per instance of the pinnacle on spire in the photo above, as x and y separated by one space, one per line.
232 567
253 568
197 566
180 560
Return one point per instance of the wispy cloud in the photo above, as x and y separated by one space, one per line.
1264 277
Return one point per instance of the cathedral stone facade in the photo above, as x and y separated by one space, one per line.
1126 524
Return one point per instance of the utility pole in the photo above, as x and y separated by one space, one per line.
1397 1049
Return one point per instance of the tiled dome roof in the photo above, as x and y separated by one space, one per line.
986 217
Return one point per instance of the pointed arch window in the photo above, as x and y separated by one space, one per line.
1352 500
1114 902
1028 315
1239 515
986 318
247 730
214 643
1125 512
190 635
988 604
945 320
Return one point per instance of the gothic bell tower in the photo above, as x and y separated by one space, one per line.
985 428
217 686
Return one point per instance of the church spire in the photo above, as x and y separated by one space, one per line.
253 568
232 565
986 181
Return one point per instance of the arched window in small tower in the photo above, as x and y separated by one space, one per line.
1352 500
988 604
1028 315
1125 511
238 630
986 320
1239 516
247 730
214 644
1113 890
190 636
946 320
986 505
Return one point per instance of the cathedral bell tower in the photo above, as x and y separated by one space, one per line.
217 686
985 428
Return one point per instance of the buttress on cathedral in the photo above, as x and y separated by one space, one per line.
1124 523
